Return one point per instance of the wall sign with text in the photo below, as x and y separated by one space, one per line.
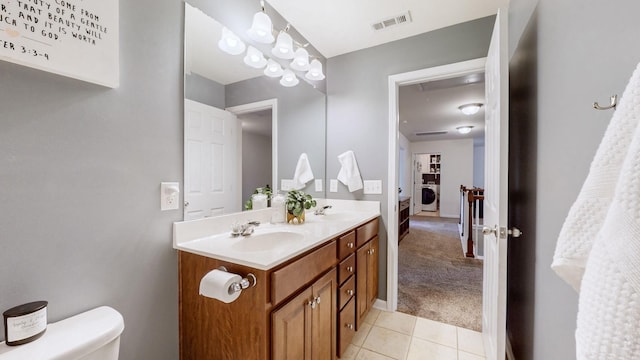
76 38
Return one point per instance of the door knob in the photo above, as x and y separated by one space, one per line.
186 203
502 232
488 231
514 232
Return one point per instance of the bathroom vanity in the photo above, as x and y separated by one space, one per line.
313 287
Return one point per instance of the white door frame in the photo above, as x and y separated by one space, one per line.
259 106
408 78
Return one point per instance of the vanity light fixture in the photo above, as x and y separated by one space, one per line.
231 43
262 28
289 79
301 60
315 71
273 69
284 46
254 58
464 129
470 109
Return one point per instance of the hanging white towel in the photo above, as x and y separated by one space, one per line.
349 173
587 214
609 304
303 172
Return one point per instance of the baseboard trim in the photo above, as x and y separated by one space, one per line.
380 305
509 350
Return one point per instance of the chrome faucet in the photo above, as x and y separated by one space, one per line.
244 229
320 211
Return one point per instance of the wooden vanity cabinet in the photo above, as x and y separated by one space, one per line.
366 278
252 326
358 285
305 309
305 327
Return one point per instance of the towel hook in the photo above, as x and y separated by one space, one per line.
612 105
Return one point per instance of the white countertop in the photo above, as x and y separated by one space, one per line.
211 237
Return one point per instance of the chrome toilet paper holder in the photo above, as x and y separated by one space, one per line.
246 282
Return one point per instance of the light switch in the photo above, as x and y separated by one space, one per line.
373 187
318 185
333 185
286 184
169 195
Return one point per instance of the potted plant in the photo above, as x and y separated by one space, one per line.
297 202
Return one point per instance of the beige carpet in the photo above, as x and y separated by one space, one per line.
435 280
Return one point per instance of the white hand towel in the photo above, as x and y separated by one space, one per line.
349 173
587 214
609 304
303 172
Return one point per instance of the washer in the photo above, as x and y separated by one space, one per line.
430 194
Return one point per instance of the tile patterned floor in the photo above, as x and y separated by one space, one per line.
397 336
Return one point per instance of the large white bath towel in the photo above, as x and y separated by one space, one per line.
303 172
609 305
349 173
587 215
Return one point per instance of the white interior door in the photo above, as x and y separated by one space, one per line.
495 202
417 184
211 186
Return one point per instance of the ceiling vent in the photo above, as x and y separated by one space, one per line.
431 133
403 18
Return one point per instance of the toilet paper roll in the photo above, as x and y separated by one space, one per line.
217 285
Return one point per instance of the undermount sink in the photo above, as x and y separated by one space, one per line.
267 241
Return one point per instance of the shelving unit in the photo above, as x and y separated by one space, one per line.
403 214
434 164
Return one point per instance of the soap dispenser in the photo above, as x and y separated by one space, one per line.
259 200
278 204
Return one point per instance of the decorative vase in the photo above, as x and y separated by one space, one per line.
292 219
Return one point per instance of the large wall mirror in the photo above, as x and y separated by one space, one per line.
243 130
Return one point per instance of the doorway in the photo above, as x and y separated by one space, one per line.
436 279
258 145
395 82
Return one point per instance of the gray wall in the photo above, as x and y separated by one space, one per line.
585 53
203 90
256 163
301 122
357 102
478 164
80 169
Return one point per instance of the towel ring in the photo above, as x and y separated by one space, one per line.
612 105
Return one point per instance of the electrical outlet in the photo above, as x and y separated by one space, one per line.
286 184
333 185
318 185
373 187
169 195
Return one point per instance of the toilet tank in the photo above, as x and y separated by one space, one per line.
92 335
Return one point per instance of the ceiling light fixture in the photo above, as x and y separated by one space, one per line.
254 58
470 109
301 60
261 32
231 43
464 129
284 46
262 28
289 79
315 70
273 69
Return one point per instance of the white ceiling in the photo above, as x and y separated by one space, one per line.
433 107
336 27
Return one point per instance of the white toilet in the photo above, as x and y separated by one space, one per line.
92 335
